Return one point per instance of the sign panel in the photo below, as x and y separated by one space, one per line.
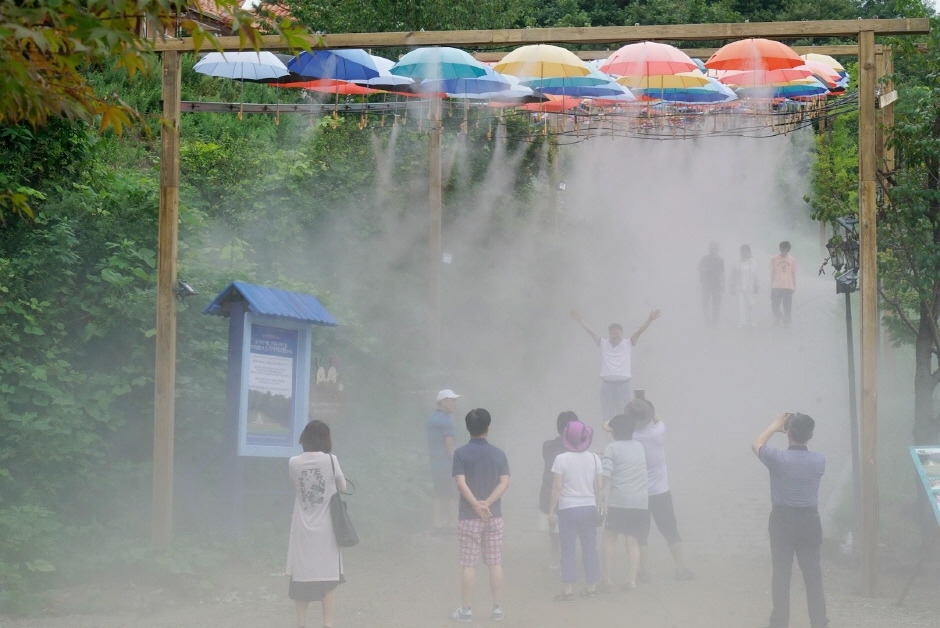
271 383
274 391
927 462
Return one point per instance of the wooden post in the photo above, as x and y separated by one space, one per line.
434 233
165 371
869 312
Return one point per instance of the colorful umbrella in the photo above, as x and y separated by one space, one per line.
343 65
826 74
752 78
754 54
438 63
648 58
800 88
826 59
386 80
488 83
542 61
664 81
333 86
554 104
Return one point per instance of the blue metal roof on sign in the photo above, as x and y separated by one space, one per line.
265 301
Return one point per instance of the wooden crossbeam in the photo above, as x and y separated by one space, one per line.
583 35
841 50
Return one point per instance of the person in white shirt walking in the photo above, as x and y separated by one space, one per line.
744 285
616 368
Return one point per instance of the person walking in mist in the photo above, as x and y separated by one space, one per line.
441 458
482 475
616 366
782 284
744 285
314 561
627 502
711 275
650 431
795 528
551 449
575 492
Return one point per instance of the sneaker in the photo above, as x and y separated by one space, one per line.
498 614
462 614
684 574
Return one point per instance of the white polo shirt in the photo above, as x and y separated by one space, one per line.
615 361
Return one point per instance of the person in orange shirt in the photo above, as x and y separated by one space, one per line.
782 284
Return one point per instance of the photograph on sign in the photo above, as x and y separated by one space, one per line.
930 461
271 381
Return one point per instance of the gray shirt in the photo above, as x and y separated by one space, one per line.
794 475
624 462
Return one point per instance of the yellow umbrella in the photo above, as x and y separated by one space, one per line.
542 61
664 81
832 63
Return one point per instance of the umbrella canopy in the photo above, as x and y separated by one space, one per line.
438 63
826 74
665 81
488 83
800 88
754 54
542 61
333 86
712 92
386 80
249 66
826 59
342 65
554 104
751 78
648 58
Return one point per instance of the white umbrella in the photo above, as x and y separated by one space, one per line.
248 66
385 79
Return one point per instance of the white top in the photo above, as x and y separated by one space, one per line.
653 438
615 361
744 275
312 552
579 471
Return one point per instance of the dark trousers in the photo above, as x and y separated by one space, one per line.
796 531
711 303
778 297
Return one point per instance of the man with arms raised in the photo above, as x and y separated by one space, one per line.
616 369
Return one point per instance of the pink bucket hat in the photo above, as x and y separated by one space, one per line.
577 436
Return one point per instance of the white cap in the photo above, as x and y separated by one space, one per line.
447 393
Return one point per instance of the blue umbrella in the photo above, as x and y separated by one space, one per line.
488 83
594 85
341 65
438 63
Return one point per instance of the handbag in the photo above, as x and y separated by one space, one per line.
342 525
600 517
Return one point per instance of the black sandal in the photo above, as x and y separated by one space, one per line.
564 597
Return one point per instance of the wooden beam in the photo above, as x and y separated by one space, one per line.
846 50
581 35
867 211
434 233
165 369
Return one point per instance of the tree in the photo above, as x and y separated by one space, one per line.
49 45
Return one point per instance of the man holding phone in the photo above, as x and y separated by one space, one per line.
795 527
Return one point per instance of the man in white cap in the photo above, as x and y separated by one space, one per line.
441 457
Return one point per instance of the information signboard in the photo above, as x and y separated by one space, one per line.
927 462
274 394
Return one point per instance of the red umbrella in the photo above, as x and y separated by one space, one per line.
754 54
764 77
648 58
554 104
331 86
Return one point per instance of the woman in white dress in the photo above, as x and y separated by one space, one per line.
314 562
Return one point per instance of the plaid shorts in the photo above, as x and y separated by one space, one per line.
480 536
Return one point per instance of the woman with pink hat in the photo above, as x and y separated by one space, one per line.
574 502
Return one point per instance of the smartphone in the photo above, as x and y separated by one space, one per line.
640 394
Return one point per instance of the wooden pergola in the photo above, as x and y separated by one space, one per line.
870 70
